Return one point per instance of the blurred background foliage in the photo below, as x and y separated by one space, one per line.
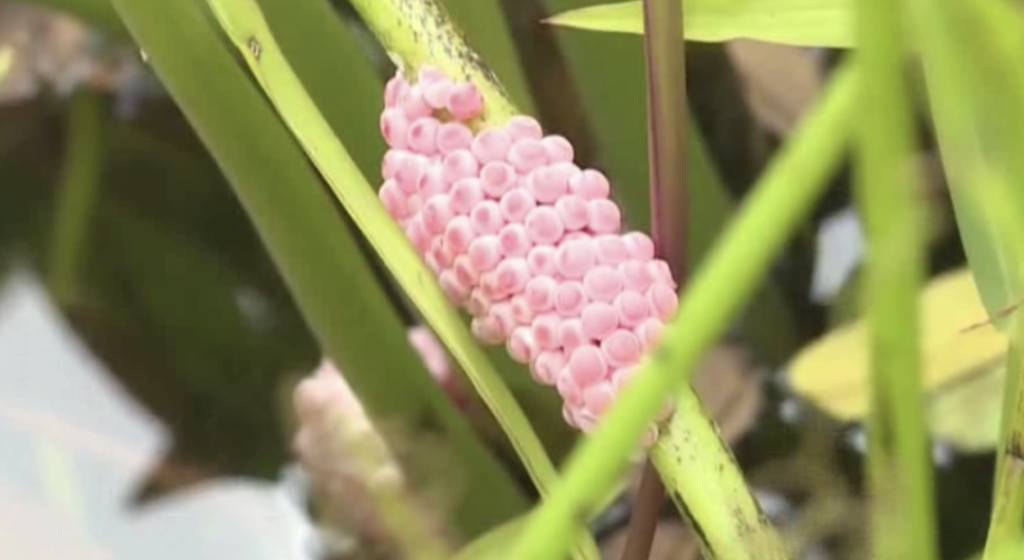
107 194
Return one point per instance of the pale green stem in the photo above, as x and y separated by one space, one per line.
899 457
779 202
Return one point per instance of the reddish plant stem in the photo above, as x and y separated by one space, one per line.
667 103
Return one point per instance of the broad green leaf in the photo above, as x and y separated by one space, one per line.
978 112
316 253
335 70
811 23
961 354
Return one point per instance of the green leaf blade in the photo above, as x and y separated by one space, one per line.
808 23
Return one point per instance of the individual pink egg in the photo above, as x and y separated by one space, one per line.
567 387
486 217
598 398
621 348
522 126
421 136
599 320
393 200
436 214
395 85
641 247
456 291
458 234
649 333
602 283
543 225
570 334
521 345
587 365
545 368
453 136
394 127
574 212
574 258
491 144
459 164
436 92
590 184
512 274
497 178
516 204
570 298
514 240
612 250
636 275
633 308
464 101
466 194
464 271
558 148
521 310
663 300
432 182
541 259
605 216
486 329
540 293
527 154
414 105
485 252
545 331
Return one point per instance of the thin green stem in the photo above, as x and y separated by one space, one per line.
777 205
418 33
899 458
78 193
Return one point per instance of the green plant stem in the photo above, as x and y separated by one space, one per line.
899 457
730 274
708 487
420 32
1008 510
79 189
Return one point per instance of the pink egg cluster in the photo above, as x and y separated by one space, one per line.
528 242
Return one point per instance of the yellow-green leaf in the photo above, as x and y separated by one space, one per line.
811 23
962 352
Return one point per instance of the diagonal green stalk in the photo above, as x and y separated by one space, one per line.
899 457
707 477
